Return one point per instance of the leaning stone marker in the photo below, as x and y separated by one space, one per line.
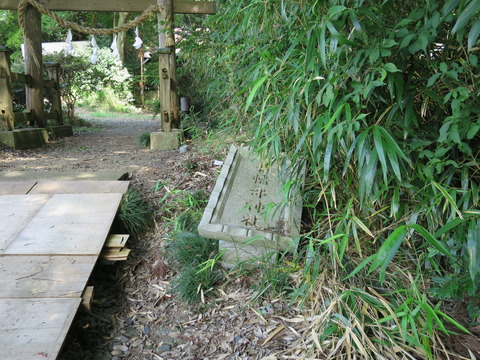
246 208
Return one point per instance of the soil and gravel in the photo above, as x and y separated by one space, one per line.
135 314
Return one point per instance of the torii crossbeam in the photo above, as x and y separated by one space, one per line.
168 91
179 6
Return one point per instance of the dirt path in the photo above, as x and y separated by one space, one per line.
110 144
135 315
128 320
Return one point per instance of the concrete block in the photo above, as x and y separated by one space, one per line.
24 138
59 131
247 203
166 140
246 255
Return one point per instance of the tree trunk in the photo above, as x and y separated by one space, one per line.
122 37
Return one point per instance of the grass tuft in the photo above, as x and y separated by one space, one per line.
197 257
143 140
135 214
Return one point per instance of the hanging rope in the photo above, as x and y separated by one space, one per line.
151 10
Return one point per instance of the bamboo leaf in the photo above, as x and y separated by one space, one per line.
395 206
393 144
255 86
449 6
380 151
449 198
322 46
360 266
388 250
391 68
467 13
333 118
431 240
447 227
362 226
473 249
327 158
433 79
453 321
369 175
334 10
473 34
341 39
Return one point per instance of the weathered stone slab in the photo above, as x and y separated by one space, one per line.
24 138
246 205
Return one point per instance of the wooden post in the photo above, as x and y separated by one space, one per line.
52 69
164 88
172 97
173 90
33 65
6 97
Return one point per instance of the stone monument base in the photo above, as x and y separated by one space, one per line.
24 138
59 131
166 140
245 255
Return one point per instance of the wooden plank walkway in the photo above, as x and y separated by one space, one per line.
51 234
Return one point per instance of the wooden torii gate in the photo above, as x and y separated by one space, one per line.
170 117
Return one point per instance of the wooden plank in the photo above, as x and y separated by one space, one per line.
63 176
16 187
80 187
16 212
22 78
68 224
115 254
116 240
44 276
87 298
34 328
179 7
22 117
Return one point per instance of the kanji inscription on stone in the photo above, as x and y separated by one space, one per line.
246 204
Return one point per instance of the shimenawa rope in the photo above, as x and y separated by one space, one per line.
152 9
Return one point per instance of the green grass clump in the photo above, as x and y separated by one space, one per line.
199 272
189 248
135 214
143 140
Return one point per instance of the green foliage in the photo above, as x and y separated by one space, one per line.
182 209
378 101
10 35
143 140
135 214
106 84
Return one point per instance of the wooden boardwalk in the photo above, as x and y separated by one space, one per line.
51 235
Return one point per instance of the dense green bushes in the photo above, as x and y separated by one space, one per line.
380 101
